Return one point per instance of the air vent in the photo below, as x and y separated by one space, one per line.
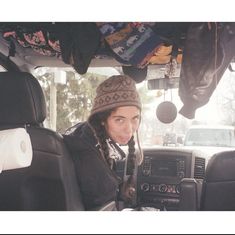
199 168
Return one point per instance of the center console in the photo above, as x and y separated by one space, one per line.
160 174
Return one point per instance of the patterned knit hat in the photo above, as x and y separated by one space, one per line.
115 92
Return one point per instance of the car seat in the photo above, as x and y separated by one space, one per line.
219 187
49 183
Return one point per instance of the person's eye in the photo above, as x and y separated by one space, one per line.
136 119
119 120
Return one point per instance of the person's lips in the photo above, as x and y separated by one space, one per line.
124 139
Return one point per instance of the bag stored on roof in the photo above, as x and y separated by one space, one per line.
125 38
40 37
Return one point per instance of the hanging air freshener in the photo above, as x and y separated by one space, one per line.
166 111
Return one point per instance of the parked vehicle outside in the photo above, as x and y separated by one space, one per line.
214 136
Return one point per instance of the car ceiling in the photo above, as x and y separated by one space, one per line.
30 57
202 50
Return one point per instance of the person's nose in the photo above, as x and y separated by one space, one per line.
129 129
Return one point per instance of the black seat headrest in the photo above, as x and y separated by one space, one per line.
21 99
221 167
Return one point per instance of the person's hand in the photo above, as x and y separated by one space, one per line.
128 190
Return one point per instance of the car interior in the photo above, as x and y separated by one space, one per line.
49 183
189 56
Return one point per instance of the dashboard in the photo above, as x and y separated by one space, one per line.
160 174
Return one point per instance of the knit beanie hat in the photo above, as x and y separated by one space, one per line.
116 91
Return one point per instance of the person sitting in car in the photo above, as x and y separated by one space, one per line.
95 144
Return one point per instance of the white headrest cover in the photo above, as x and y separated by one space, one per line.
15 149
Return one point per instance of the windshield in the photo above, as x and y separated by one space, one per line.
70 98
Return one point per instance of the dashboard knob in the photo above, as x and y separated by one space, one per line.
177 189
145 187
162 188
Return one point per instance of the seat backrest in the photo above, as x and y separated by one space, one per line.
188 195
49 183
219 187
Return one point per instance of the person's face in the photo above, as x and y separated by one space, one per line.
123 123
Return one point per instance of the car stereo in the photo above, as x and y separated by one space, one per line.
160 175
163 167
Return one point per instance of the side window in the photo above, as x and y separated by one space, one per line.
2 69
69 96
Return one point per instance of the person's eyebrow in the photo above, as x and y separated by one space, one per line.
120 116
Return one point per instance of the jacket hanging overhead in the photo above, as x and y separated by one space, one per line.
208 52
79 43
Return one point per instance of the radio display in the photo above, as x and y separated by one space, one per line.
164 168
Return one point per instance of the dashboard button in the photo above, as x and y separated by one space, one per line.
180 174
145 187
162 188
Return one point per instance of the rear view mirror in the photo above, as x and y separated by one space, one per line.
163 83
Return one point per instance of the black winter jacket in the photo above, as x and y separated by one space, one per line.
98 183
